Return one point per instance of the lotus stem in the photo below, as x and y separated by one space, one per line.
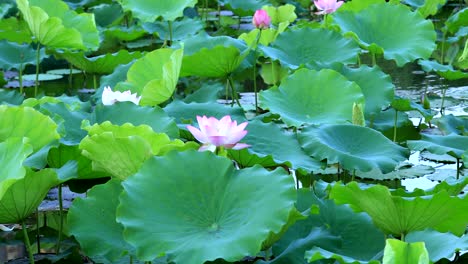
325 23
374 61
219 15
458 168
206 11
59 239
38 232
233 91
395 126
444 90
38 57
131 260
27 242
402 238
70 77
20 78
354 175
255 70
169 26
94 81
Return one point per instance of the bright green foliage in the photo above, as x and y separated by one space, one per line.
456 21
292 51
389 30
27 122
313 97
439 245
208 211
445 71
284 13
266 37
23 197
401 215
181 29
454 145
97 212
148 11
15 31
431 7
55 26
400 252
353 147
13 152
154 76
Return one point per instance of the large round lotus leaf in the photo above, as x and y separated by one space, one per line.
55 26
329 232
27 122
457 20
244 7
97 212
454 145
313 97
376 86
445 71
127 112
199 208
401 215
13 152
389 29
14 30
23 197
453 124
283 147
154 76
207 56
181 29
353 147
439 245
401 252
103 64
13 55
11 97
148 11
291 49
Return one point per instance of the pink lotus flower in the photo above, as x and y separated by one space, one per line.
261 19
215 133
327 6
110 97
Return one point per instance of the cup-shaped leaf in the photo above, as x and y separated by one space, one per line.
27 122
154 76
148 11
313 97
23 197
354 147
452 144
389 29
55 26
97 212
204 208
445 71
401 215
401 252
291 49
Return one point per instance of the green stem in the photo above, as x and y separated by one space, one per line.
354 175
255 70
27 242
38 233
395 126
38 58
70 77
59 239
444 90
206 11
359 60
374 62
169 25
219 15
94 81
458 168
402 237
442 52
233 91
20 78
325 23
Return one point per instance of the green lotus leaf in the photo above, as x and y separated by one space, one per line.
181 29
402 171
465 159
457 20
270 140
102 64
154 76
118 75
42 77
439 245
23 197
397 252
267 36
107 15
127 112
454 145
453 124
393 34
10 97
405 104
215 212
207 92
207 56
97 212
273 73
385 122
445 71
376 86
290 49
244 7
13 55
330 232
148 11
122 33
55 26
284 13
27 122
302 99
357 6
14 30
13 151
401 215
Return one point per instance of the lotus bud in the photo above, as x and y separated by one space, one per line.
358 115
261 19
425 101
